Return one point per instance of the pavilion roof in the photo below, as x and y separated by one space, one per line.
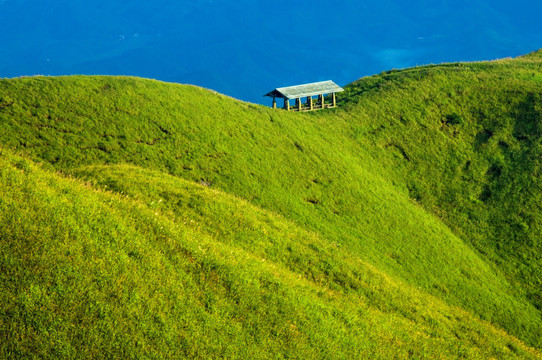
299 91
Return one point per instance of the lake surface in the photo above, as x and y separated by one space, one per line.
246 48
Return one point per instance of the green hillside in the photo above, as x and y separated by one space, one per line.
145 219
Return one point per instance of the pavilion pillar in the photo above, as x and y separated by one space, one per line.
274 103
286 104
334 100
321 100
298 104
309 102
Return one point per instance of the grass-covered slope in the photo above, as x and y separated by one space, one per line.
387 226
465 141
160 272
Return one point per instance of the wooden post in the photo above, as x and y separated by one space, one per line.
334 100
298 103
321 100
286 104
309 102
274 103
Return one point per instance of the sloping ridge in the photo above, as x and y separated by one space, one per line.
344 228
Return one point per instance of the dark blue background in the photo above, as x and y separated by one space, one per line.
245 48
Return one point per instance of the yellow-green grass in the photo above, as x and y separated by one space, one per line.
91 273
413 205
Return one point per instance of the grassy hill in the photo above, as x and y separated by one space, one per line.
145 219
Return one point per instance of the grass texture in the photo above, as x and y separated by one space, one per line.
140 219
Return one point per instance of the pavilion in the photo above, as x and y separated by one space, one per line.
307 91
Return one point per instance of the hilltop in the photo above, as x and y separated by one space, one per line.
147 219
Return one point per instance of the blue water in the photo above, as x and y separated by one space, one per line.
246 48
